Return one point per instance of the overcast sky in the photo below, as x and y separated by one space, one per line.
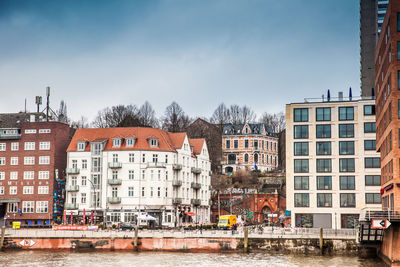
93 54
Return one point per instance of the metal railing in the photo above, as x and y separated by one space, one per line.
72 171
369 214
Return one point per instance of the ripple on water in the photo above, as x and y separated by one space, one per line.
146 259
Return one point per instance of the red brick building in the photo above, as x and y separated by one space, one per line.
32 162
387 91
250 204
249 146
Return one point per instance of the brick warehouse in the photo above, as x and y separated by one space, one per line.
387 91
32 164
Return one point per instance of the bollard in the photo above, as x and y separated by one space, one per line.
321 238
3 233
135 244
246 239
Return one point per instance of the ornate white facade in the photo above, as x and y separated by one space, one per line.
165 175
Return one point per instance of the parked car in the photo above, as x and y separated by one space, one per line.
127 226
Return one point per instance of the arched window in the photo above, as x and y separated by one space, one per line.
246 157
256 158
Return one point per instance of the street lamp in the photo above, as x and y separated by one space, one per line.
95 200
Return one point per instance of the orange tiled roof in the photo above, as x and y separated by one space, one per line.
166 141
197 144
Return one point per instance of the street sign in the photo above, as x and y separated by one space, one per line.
380 224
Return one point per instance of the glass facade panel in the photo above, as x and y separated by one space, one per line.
301 131
324 182
301 165
347 200
346 148
301 183
324 200
323 114
372 180
347 183
301 148
372 162
324 148
301 200
300 114
346 130
369 127
346 165
346 113
373 198
369 144
324 165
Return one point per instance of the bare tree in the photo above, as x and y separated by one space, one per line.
276 121
117 116
62 113
221 115
175 119
234 111
246 115
147 115
81 123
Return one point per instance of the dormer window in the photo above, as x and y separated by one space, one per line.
153 142
81 146
117 142
130 142
246 130
97 147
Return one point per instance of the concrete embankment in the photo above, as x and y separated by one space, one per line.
190 241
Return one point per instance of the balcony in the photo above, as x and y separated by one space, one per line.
195 185
72 188
196 170
155 165
177 167
71 206
115 165
72 171
177 201
114 181
176 183
232 162
196 202
114 200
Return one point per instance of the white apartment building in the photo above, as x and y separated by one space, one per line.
121 173
332 167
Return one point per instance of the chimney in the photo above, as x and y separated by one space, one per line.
340 96
323 98
32 118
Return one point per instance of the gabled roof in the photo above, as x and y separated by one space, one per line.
255 128
177 139
166 141
197 144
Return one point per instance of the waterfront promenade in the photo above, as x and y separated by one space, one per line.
267 232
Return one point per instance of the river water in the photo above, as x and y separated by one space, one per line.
146 259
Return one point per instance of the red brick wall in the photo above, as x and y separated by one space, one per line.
59 139
385 98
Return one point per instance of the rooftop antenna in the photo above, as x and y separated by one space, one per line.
48 103
38 102
328 97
